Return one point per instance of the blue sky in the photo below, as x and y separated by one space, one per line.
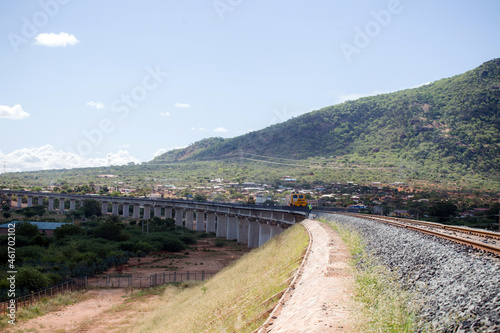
87 83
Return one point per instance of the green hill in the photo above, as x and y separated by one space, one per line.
450 125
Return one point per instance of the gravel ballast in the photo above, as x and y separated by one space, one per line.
457 288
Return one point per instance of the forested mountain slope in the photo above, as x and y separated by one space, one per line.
452 123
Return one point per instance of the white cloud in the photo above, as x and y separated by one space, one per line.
182 105
55 40
46 157
355 96
159 152
15 112
97 105
198 129
220 130
165 114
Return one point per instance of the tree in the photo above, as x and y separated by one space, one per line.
68 230
26 229
443 210
92 207
31 278
200 197
110 229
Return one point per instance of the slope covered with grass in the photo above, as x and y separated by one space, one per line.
236 299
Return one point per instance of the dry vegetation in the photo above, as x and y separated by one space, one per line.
237 299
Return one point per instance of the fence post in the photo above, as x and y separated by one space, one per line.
202 275
175 276
107 280
187 276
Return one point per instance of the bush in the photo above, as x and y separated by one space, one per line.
68 230
188 239
173 245
29 277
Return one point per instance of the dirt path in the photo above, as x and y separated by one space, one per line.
75 317
321 299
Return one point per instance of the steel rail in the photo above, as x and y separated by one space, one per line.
468 242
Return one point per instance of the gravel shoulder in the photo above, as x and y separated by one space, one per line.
455 287
321 299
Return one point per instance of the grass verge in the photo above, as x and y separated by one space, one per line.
238 298
45 306
383 306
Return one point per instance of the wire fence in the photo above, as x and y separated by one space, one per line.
106 281
14 304
130 281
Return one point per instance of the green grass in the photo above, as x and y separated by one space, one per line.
382 305
237 299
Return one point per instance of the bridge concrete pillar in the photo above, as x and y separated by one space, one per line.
72 204
189 219
40 201
157 211
200 220
137 211
232 228
126 209
61 205
114 209
168 212
104 208
253 234
221 226
275 230
30 201
51 203
210 222
19 201
178 217
264 233
243 230
147 212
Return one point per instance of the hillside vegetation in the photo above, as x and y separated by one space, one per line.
448 126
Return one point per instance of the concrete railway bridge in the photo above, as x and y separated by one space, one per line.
248 224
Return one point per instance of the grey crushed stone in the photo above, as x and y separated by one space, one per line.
457 288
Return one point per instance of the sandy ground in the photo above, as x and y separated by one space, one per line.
321 300
74 317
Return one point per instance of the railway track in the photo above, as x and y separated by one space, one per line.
484 240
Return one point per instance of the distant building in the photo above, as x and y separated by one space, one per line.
357 206
260 199
44 227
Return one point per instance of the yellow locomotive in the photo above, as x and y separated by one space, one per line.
296 199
